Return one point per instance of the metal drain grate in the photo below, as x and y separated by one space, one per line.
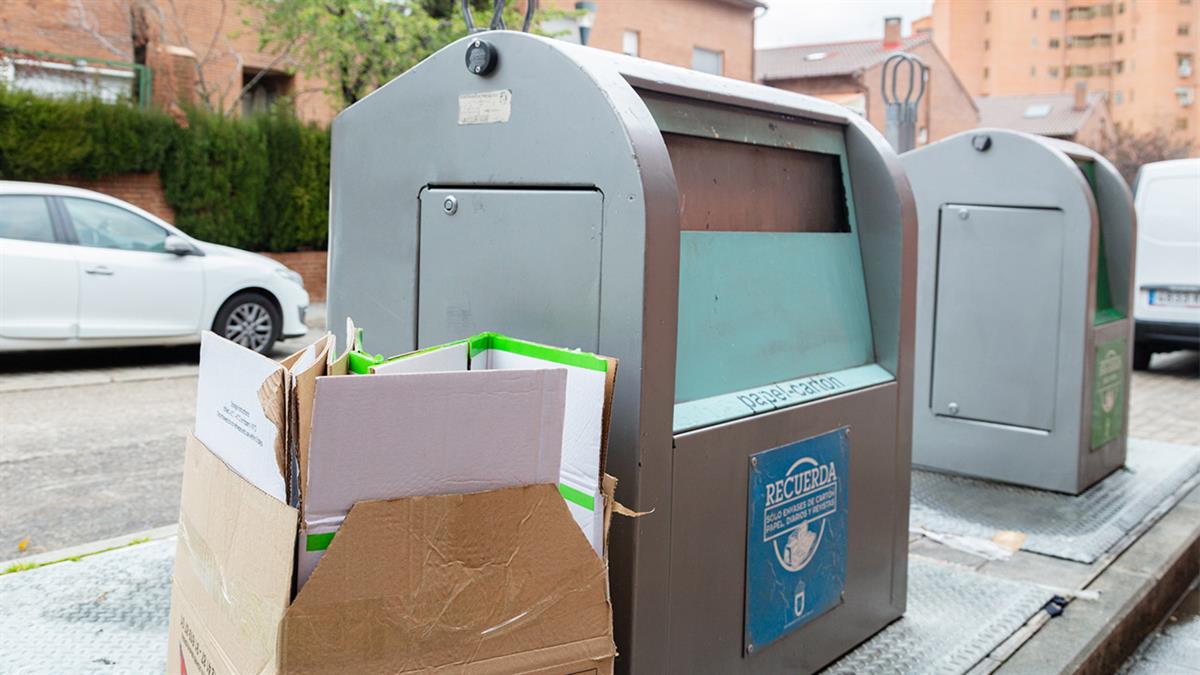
955 617
1079 528
103 614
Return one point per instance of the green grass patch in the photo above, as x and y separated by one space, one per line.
22 567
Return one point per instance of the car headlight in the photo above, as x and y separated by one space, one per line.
290 275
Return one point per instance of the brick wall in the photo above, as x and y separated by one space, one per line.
143 190
197 49
668 30
312 265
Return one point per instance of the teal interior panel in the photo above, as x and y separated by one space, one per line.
757 308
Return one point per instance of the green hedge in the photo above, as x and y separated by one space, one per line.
259 183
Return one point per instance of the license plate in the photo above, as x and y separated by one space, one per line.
1175 298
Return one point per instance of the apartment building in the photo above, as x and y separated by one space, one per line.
849 73
715 36
1140 54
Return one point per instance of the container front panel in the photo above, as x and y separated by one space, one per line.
521 262
711 538
996 322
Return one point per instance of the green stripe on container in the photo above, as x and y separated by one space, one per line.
318 542
577 497
484 341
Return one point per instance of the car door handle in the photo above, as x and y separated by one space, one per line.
99 270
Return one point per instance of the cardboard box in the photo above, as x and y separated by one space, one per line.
487 582
492 581
381 436
589 388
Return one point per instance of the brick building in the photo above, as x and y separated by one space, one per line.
1140 54
195 51
715 36
849 73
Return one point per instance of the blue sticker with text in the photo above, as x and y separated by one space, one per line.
796 542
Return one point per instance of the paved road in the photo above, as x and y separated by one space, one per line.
92 447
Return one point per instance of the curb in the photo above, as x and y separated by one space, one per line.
1136 592
90 548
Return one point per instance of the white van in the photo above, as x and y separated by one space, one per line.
1167 306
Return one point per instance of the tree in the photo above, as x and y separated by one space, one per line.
358 45
1129 151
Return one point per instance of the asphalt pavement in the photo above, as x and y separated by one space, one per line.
91 441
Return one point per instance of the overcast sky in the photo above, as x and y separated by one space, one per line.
790 22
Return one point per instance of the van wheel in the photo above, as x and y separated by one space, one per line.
251 320
1141 356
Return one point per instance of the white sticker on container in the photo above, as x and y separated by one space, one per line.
488 107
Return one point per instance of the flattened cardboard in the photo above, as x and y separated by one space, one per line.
231 583
305 366
241 412
388 436
489 582
590 381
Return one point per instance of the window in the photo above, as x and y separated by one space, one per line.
987 44
1120 8
26 218
1033 13
922 136
987 16
1183 64
985 73
262 89
106 226
1033 71
708 61
1037 111
1118 98
1105 10
1052 71
1053 43
1181 124
1033 42
1183 30
1121 38
1118 67
629 42
1185 96
56 79
1055 15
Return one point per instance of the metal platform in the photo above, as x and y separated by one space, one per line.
955 618
1079 528
106 613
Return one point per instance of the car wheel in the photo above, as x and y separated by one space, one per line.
251 320
1141 356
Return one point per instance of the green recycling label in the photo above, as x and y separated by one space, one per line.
1108 392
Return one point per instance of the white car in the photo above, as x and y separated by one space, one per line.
1166 311
82 269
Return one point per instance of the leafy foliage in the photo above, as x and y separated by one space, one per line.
42 138
358 45
260 183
